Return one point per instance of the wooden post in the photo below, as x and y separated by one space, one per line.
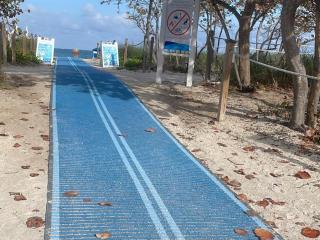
226 79
209 55
150 53
4 43
125 52
193 52
34 39
14 47
24 44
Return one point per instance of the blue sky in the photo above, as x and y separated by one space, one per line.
78 23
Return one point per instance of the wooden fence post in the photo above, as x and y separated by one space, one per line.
226 79
4 43
125 52
209 55
24 44
14 47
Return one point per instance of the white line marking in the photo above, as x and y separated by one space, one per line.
155 218
174 227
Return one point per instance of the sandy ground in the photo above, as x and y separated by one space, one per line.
24 145
252 146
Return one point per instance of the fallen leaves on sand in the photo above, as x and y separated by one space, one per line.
263 203
3 135
273 150
71 193
14 193
20 197
276 175
275 202
105 204
240 171
34 222
222 145
302 175
234 183
150 130
45 137
24 119
249 148
263 234
16 145
242 197
34 174
2 124
104 235
196 150
240 231
249 177
25 167
272 224
310 232
37 148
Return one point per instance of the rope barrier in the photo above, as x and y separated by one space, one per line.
279 69
135 45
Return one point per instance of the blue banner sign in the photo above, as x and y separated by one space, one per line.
45 50
109 54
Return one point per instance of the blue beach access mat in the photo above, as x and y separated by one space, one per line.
108 148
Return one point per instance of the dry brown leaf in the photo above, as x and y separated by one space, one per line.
16 145
105 204
3 135
275 202
34 222
263 234
272 224
249 177
20 198
302 175
71 194
37 148
240 231
240 171
276 175
222 144
150 130
196 150
25 167
34 174
234 183
249 148
242 197
24 119
263 203
2 123
310 232
225 179
104 235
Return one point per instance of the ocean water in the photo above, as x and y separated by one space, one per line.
59 52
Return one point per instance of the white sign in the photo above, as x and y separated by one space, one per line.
178 25
109 54
45 50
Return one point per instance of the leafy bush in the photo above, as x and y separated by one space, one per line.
27 58
133 64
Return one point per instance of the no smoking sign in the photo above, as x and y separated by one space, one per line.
179 22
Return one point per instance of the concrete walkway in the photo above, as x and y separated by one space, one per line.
107 147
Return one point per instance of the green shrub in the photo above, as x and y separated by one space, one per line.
133 64
27 58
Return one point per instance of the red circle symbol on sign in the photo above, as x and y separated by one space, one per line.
179 22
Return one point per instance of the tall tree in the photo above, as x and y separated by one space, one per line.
247 12
8 10
292 50
315 84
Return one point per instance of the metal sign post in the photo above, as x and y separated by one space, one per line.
178 33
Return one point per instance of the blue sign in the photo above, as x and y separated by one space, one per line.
110 55
45 50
